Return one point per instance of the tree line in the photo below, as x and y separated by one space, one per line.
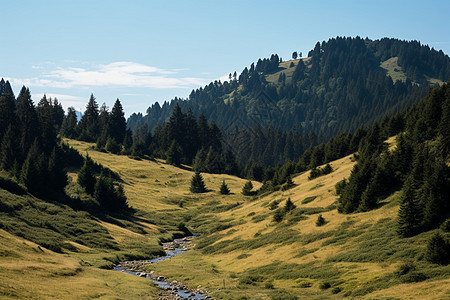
32 154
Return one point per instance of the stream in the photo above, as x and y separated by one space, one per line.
171 289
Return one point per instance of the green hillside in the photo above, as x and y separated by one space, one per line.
243 252
343 84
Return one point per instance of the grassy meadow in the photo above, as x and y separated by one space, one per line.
243 253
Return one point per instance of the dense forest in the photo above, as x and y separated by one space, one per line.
418 164
290 107
33 158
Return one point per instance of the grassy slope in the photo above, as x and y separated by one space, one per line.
356 254
242 251
394 70
30 271
154 190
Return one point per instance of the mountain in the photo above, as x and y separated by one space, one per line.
342 84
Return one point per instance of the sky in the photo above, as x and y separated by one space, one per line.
146 51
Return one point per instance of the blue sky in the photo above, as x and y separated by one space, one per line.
147 51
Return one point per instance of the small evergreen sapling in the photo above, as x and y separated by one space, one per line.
224 190
247 189
197 184
320 221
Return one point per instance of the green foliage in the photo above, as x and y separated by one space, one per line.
308 199
224 190
289 184
247 189
174 153
51 225
289 205
112 146
345 70
324 285
438 250
407 272
445 227
108 196
316 172
320 221
274 204
86 177
89 123
8 150
198 184
117 124
278 215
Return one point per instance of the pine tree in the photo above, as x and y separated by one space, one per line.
57 175
197 184
438 250
89 123
203 130
409 214
28 121
117 123
58 114
289 205
103 192
174 153
8 150
247 189
69 124
121 199
175 126
289 183
7 113
86 177
199 161
47 125
224 190
32 169
112 146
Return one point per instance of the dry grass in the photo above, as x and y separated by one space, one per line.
295 255
30 271
393 69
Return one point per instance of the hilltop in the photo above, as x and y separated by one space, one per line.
344 83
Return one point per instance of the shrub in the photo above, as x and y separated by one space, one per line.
324 285
278 215
320 221
305 284
274 204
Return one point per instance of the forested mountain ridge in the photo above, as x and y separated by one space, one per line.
342 84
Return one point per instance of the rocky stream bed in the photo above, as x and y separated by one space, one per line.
170 289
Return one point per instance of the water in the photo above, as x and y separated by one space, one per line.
185 294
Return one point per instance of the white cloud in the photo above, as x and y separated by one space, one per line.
127 74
